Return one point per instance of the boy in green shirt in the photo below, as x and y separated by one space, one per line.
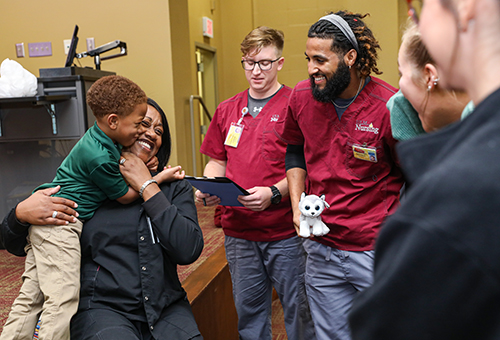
88 175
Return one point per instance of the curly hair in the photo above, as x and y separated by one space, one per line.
114 94
261 37
366 61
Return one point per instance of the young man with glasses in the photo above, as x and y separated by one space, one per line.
262 247
341 146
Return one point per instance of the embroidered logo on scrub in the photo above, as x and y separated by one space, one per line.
275 118
362 125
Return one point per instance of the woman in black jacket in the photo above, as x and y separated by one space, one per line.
129 283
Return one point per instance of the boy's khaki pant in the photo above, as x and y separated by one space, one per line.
51 284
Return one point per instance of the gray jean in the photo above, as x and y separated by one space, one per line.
333 279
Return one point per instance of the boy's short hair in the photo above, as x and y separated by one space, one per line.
261 37
114 94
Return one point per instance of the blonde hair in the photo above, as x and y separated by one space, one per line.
261 37
414 49
448 104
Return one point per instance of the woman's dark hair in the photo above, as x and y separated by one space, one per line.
366 60
165 149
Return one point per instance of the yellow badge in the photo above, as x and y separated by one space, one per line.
365 153
234 135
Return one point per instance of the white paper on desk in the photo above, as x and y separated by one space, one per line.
222 187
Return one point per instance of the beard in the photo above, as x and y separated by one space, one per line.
334 86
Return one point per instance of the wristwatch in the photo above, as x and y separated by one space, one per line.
276 197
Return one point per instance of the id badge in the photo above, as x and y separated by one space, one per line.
234 135
365 153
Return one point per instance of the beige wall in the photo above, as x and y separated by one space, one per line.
229 30
197 10
182 81
233 19
143 25
235 26
296 16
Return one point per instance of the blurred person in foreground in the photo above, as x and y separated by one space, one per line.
437 269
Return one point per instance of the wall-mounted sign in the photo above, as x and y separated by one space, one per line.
208 27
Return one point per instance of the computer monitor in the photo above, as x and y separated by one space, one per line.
72 48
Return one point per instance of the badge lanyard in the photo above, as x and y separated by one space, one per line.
235 130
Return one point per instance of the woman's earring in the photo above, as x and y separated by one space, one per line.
434 82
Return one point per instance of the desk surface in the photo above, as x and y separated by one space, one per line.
36 100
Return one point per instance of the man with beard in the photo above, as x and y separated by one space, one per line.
340 144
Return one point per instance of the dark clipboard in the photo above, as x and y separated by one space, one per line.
222 187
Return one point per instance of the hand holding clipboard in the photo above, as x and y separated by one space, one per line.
222 187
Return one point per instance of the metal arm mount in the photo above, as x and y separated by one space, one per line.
51 109
96 53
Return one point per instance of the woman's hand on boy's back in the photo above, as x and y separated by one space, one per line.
43 209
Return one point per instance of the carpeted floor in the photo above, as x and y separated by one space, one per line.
212 237
11 269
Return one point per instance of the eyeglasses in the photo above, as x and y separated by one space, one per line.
265 65
414 9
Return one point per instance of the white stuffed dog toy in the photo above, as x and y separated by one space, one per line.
311 207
